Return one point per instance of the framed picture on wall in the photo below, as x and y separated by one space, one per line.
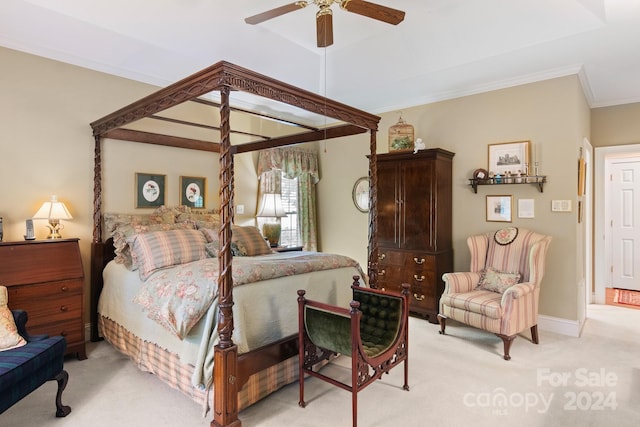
499 208
509 156
193 191
150 190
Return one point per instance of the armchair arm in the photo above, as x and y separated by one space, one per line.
20 317
460 282
519 290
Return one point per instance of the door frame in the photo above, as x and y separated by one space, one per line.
602 253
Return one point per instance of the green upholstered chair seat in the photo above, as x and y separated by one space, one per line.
379 325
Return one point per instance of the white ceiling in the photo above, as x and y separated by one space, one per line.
443 49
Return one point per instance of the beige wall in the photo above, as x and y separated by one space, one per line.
553 114
47 149
617 125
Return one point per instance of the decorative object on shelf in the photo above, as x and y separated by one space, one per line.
419 145
271 207
481 175
508 156
150 190
360 194
401 136
53 211
193 191
499 208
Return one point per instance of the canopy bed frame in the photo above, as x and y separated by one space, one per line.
230 369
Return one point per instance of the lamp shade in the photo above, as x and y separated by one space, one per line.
271 206
53 209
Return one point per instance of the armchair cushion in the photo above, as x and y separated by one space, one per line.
9 336
497 281
479 301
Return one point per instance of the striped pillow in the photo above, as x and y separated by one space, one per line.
159 249
249 241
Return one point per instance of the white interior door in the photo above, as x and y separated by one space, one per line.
624 215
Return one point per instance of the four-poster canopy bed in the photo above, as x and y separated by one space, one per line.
231 370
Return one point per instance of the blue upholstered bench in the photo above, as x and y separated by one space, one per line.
24 369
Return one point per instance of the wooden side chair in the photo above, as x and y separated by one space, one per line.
373 332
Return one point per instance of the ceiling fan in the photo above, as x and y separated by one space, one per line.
324 16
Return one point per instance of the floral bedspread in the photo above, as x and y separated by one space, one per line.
178 297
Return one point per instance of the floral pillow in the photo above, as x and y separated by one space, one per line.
9 337
497 281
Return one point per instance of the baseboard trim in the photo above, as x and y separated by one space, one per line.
572 328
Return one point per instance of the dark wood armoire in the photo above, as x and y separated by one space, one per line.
414 225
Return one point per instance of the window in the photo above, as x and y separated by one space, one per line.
290 235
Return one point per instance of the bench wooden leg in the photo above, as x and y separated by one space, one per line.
61 410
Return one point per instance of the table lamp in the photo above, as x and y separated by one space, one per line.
270 206
53 211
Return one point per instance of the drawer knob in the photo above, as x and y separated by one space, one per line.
382 256
418 297
418 261
64 308
64 288
418 279
382 273
63 333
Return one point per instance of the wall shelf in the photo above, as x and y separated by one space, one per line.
535 180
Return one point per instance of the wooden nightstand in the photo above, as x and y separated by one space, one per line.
287 248
45 279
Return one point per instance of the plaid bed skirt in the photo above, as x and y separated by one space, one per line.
168 368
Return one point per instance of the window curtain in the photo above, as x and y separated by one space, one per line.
295 163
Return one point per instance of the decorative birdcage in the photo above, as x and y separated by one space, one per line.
401 136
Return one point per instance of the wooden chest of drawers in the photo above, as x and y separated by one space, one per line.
45 278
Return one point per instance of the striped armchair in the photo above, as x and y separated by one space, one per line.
500 293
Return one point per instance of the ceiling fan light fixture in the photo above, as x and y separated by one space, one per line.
324 16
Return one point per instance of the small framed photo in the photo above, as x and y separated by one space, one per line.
150 190
193 191
499 208
509 156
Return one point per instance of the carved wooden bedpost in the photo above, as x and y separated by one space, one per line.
225 365
96 246
372 269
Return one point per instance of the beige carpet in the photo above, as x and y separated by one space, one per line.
456 380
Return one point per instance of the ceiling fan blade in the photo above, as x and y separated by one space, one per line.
324 27
269 14
372 10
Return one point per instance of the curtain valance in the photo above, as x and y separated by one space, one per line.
294 162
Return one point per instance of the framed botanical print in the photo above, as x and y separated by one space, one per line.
150 190
193 191
499 208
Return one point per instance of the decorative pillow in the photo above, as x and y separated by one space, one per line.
124 232
505 236
9 337
212 250
250 241
200 220
497 281
159 249
114 220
